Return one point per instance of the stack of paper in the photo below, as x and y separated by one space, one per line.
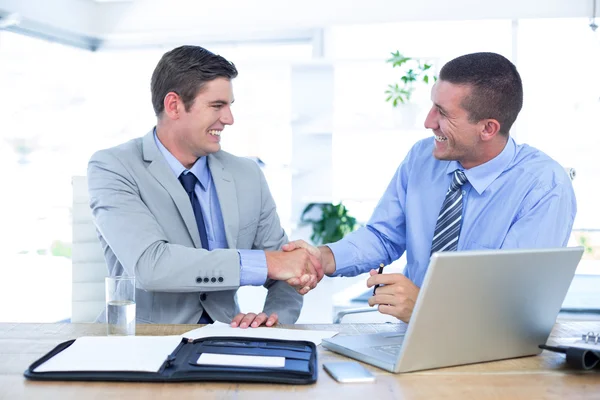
113 353
221 329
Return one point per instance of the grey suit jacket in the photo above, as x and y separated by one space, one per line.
147 229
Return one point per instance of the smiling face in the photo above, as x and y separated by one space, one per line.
456 138
199 128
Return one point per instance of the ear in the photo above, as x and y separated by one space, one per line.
489 129
172 104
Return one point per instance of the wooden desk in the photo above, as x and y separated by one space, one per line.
544 376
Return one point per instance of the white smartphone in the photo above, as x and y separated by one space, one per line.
348 371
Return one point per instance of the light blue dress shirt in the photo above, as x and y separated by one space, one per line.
520 199
253 263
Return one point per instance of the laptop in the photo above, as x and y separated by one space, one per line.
474 306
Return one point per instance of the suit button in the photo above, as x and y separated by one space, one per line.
198 280
205 280
203 296
213 279
220 279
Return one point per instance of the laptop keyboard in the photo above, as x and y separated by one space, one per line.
392 349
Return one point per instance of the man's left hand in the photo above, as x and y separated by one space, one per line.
253 321
397 297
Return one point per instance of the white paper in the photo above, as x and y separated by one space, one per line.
113 353
221 329
241 361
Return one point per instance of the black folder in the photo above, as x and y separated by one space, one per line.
583 354
577 358
181 365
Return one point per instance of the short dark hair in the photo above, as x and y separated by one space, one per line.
185 70
497 90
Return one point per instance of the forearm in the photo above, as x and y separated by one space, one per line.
165 267
361 251
283 300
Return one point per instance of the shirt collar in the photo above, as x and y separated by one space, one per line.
481 176
200 167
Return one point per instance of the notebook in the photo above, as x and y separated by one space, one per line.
581 354
177 359
486 305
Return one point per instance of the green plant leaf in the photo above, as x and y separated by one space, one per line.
306 210
410 76
335 222
413 71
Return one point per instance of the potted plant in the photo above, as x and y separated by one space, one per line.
330 224
413 71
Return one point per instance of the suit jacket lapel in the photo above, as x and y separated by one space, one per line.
164 175
227 194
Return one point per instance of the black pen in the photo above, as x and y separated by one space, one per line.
379 272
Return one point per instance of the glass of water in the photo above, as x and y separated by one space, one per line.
120 305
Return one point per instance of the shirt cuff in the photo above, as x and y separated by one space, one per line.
343 252
253 267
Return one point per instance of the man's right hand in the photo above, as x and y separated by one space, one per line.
322 253
298 268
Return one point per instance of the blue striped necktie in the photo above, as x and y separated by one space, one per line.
447 227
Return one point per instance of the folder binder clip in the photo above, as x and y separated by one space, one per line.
591 337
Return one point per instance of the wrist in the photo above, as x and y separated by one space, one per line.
327 260
271 258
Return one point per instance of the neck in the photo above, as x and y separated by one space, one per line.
177 147
487 153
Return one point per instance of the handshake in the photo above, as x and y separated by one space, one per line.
300 264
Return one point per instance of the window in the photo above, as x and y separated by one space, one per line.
559 63
61 104
368 129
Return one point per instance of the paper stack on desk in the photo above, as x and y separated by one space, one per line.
110 353
221 329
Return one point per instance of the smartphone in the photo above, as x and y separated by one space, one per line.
348 371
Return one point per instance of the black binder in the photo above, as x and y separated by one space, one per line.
181 365
582 354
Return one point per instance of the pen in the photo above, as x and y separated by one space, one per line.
379 272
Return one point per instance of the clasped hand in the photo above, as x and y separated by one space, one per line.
316 254
299 267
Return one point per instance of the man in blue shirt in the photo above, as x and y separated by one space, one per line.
469 187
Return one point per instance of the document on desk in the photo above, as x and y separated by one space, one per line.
221 329
113 353
234 360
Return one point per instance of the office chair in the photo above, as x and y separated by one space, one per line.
89 266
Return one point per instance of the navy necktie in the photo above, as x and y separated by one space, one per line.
189 184
447 228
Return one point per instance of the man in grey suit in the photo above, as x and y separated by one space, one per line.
191 222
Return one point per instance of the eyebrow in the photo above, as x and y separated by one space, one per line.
441 108
220 102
